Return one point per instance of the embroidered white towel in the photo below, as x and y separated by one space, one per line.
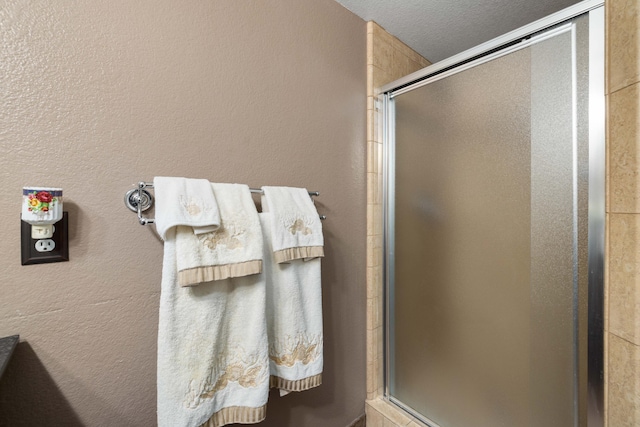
294 319
184 201
296 230
233 250
213 367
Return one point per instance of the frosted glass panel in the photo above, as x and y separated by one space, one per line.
486 263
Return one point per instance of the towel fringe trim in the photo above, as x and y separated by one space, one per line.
305 252
197 275
236 414
295 385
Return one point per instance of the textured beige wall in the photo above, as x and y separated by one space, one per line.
622 323
95 96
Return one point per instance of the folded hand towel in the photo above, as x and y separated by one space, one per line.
212 349
296 230
233 250
294 319
183 201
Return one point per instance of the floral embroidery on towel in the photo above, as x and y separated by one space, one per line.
247 371
191 205
220 237
299 226
301 348
230 234
298 223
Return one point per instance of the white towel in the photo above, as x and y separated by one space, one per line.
296 230
183 201
212 349
233 250
294 319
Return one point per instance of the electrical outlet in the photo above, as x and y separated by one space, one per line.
45 245
40 251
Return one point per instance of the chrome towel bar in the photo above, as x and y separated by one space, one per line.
139 199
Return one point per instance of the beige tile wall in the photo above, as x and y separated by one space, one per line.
622 324
389 59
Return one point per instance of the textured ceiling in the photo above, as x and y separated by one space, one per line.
438 29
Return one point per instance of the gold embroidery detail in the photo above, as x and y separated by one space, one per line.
248 372
220 237
191 205
302 348
298 222
299 226
228 234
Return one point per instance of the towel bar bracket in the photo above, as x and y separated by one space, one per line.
139 200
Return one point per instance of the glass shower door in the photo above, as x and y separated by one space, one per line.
487 256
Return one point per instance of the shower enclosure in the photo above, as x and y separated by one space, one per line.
494 230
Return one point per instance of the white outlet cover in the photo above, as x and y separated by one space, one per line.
45 245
